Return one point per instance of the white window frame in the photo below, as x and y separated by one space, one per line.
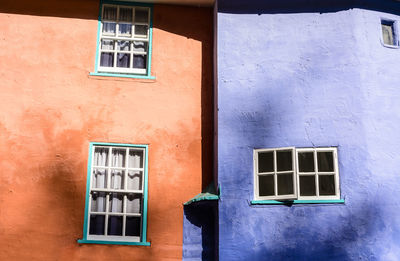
297 174
108 190
131 39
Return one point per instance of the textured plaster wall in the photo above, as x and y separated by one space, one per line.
305 74
51 109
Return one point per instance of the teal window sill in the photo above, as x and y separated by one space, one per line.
276 202
84 241
146 77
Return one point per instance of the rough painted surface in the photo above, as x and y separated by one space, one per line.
51 109
305 76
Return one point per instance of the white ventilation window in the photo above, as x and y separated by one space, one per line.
389 33
291 174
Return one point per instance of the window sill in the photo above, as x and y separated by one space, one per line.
390 46
276 202
84 241
142 77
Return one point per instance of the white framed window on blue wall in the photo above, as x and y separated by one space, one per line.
290 174
116 196
124 40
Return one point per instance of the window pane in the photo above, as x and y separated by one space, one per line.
109 28
125 29
107 45
132 226
133 204
266 185
110 13
99 178
98 203
285 184
325 161
117 179
115 225
284 160
107 59
307 186
100 157
265 162
97 223
135 159
123 60
124 46
125 14
115 204
387 34
141 30
326 185
139 61
306 162
141 15
134 180
140 46
118 157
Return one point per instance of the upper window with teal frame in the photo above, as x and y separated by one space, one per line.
124 38
116 199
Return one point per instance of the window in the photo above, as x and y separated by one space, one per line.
124 44
389 34
290 173
117 193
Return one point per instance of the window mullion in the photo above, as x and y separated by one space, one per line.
316 173
275 174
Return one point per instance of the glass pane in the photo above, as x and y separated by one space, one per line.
140 46
100 157
109 28
265 161
141 30
132 226
284 160
134 180
115 204
326 185
118 157
141 15
134 203
387 34
307 186
125 29
117 179
98 203
135 159
266 185
139 61
107 59
107 45
125 14
99 178
123 60
325 161
124 46
109 13
96 225
306 162
114 226
285 184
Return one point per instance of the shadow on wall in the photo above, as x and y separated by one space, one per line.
304 6
303 241
201 242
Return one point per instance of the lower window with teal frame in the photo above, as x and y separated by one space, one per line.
116 194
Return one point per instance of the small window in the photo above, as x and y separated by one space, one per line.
117 193
124 39
290 173
389 35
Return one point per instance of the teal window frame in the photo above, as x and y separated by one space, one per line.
149 52
143 236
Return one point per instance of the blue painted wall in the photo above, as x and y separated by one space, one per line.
305 74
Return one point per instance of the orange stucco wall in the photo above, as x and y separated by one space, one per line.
51 109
